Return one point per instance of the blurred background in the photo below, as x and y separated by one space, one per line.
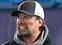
53 17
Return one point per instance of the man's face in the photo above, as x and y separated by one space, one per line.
27 25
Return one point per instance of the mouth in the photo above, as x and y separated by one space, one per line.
22 28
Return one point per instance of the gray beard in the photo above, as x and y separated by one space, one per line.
21 37
25 34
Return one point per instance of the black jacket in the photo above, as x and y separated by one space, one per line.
48 41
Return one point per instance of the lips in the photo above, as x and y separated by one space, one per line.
21 27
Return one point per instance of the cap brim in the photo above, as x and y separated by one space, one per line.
15 13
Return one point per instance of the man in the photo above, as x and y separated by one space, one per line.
30 29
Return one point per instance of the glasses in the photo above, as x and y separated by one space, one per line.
22 15
25 16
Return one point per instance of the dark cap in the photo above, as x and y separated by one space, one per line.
30 8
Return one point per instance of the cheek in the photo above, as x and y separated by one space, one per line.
17 26
30 23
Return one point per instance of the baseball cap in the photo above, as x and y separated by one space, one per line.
30 8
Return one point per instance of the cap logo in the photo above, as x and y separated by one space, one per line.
23 6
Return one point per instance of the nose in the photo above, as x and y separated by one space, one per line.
22 21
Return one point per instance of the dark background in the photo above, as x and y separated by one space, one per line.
53 17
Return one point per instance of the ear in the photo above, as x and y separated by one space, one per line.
40 22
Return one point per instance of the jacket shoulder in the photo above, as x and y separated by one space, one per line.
49 41
6 43
10 43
